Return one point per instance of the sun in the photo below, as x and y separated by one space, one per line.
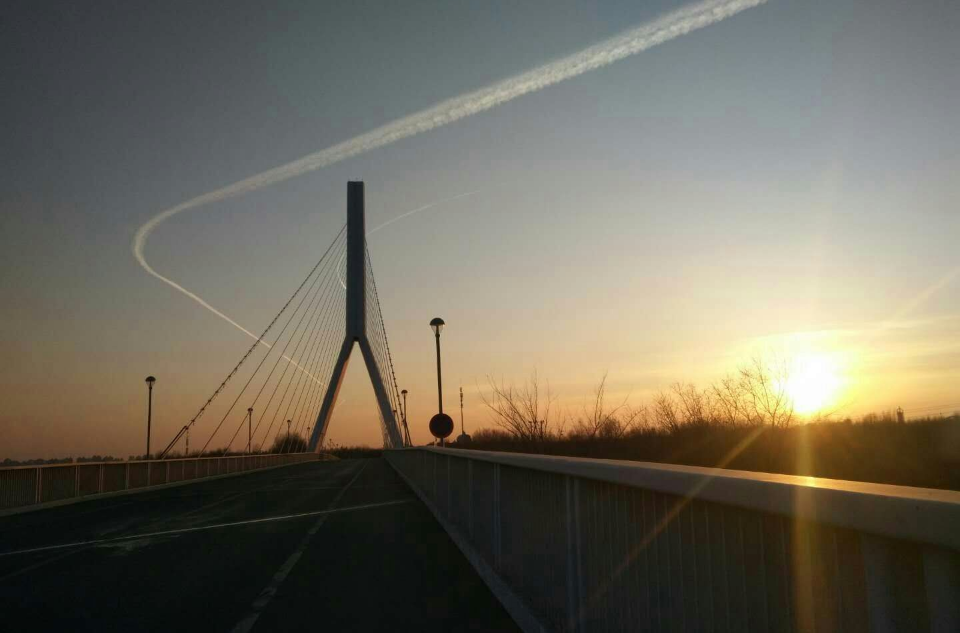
814 383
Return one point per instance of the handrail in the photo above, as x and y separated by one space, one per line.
920 514
38 485
584 544
148 461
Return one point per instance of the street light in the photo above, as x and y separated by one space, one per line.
441 425
150 380
437 325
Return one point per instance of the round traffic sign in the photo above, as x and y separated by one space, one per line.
441 426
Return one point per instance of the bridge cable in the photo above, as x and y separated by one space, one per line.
386 344
330 355
259 341
277 386
309 391
386 340
326 358
323 258
313 343
377 345
306 297
310 291
309 369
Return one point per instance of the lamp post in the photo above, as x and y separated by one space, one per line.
150 380
437 325
441 425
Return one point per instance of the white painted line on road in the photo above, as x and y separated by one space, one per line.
42 563
244 625
202 528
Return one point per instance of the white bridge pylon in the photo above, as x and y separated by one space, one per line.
356 330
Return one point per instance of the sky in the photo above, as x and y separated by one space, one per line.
782 181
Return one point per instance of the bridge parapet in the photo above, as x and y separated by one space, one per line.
27 487
602 545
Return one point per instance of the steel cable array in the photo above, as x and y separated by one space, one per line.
377 334
318 293
307 345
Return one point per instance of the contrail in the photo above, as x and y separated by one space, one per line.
658 31
419 209
397 219
223 316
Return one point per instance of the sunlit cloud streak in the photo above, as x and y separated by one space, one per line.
662 29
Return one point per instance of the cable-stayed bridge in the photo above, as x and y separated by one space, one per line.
309 343
282 537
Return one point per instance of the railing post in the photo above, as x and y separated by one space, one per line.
572 503
941 576
100 480
166 473
894 585
496 517
76 480
126 476
470 498
39 483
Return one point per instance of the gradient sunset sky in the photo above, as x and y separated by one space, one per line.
783 180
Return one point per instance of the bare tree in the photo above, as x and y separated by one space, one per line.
523 411
694 405
606 423
764 388
729 402
665 412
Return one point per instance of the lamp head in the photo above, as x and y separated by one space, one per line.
150 380
404 392
437 325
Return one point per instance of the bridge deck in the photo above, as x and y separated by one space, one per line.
226 555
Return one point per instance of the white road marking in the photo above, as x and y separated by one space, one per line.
244 625
286 517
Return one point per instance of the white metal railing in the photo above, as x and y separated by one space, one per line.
603 545
22 486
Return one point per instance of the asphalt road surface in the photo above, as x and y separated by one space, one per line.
329 545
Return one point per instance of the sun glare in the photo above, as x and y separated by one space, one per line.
814 383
